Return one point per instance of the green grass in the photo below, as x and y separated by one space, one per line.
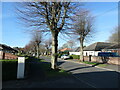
9 69
42 60
95 63
50 72
75 56
102 65
86 62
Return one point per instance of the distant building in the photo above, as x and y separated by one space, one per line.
6 52
113 48
95 48
92 49
65 49
75 51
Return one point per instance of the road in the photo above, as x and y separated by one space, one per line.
92 76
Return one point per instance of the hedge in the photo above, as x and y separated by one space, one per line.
75 56
9 69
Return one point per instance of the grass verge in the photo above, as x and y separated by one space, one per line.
46 66
95 64
9 69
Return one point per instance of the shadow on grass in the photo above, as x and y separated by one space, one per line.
97 64
41 69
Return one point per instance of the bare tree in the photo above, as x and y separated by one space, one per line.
115 36
69 44
51 16
48 45
30 48
83 27
37 38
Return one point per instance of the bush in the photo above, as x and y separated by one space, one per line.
59 55
9 69
75 56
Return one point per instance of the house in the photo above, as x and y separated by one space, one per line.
19 50
75 51
64 50
92 49
95 48
6 52
113 48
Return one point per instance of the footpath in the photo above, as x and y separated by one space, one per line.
109 67
37 79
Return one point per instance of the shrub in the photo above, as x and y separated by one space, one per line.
75 56
9 69
59 55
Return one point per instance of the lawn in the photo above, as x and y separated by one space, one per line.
91 63
9 68
50 72
95 63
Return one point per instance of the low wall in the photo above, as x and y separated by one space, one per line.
10 56
7 56
110 60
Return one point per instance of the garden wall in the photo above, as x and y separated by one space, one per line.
110 60
7 56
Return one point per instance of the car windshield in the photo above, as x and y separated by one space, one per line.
65 55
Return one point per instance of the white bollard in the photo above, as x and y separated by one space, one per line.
21 67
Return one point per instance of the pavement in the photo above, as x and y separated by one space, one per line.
83 76
36 79
96 77
110 67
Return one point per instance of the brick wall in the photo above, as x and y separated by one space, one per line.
7 56
10 56
110 60
1 54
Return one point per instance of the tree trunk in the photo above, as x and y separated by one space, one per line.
37 51
81 51
54 50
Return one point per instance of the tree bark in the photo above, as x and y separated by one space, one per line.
37 51
81 51
54 50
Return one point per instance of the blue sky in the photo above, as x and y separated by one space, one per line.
15 36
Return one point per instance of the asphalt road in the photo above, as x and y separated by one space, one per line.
92 76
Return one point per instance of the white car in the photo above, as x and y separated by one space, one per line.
65 56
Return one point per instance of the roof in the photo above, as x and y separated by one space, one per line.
65 49
3 46
114 46
98 46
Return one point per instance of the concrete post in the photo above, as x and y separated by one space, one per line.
21 67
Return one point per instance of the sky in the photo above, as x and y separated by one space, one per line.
14 35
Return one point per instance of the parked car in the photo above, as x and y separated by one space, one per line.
108 54
65 56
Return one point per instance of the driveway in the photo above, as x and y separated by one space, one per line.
92 76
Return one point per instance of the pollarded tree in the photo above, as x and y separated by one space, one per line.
47 45
37 38
115 36
69 44
30 48
83 27
51 16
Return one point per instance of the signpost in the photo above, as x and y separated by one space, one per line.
21 67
